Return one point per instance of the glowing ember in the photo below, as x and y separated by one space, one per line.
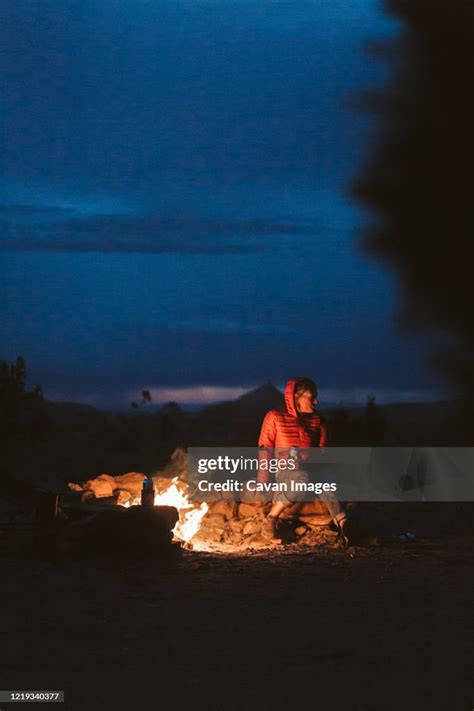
190 515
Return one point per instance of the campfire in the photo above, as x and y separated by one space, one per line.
221 525
190 515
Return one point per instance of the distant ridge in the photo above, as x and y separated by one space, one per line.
259 400
265 396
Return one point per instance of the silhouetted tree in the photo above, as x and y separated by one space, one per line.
20 416
374 422
38 392
12 381
19 373
418 181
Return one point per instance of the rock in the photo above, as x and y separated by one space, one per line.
330 533
226 508
308 507
162 484
237 524
103 485
131 482
312 538
213 534
316 526
123 497
234 540
251 527
316 520
214 519
247 509
255 541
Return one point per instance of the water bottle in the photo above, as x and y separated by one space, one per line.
148 492
294 454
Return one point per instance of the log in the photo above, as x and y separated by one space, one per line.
137 531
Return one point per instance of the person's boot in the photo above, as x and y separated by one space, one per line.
346 532
269 529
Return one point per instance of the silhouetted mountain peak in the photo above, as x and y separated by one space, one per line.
265 396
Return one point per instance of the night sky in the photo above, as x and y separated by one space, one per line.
174 214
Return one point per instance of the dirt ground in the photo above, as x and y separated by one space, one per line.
381 626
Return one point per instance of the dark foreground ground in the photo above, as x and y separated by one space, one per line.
372 628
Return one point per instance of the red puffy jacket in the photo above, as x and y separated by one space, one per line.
283 428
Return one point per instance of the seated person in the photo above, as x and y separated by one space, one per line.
296 425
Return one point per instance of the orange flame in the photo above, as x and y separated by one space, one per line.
190 515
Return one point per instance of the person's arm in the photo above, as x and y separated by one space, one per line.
267 441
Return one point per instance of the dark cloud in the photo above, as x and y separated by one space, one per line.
18 211
151 233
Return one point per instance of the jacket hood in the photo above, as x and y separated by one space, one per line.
290 396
